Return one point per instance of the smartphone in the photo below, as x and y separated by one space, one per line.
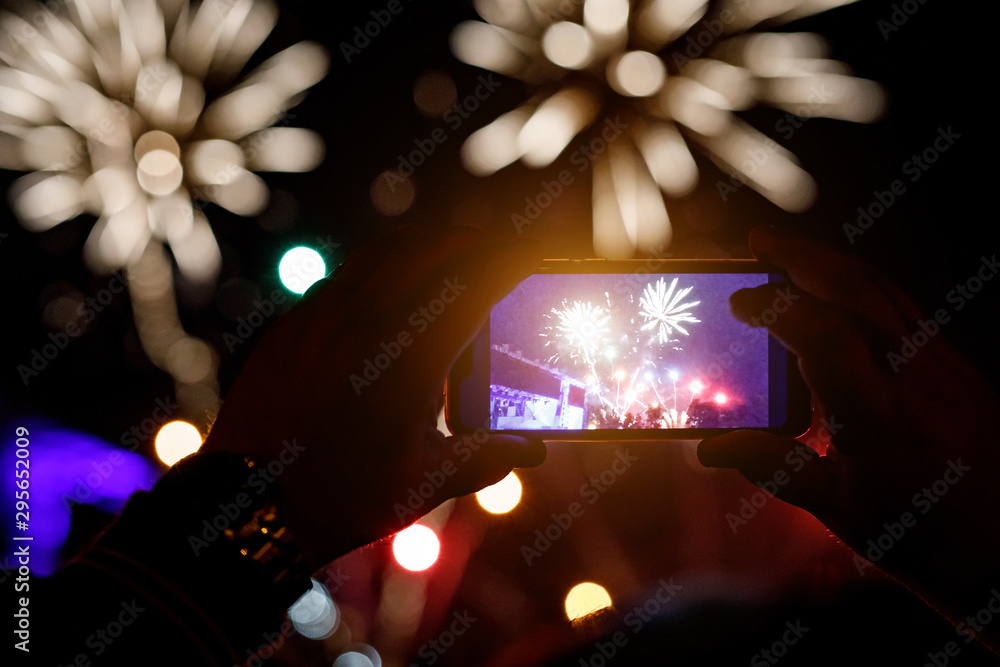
610 350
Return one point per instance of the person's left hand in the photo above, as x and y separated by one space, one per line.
342 395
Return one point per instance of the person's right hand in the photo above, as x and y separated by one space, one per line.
913 463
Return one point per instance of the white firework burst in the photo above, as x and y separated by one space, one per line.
583 327
667 74
120 109
661 308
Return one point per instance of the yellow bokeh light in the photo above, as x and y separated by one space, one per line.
501 497
177 440
585 599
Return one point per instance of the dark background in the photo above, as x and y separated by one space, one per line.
939 71
935 68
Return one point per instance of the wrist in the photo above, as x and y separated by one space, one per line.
301 486
213 545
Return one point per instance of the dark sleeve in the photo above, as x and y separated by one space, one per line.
173 581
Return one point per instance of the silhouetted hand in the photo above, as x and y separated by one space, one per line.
910 478
344 392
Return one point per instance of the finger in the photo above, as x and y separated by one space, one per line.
455 304
421 273
363 263
406 270
834 357
480 465
459 465
493 272
905 307
830 276
786 468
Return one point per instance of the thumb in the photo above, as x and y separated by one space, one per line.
785 467
491 460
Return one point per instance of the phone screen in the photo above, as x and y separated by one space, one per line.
628 351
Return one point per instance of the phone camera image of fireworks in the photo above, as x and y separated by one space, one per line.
626 351
626 387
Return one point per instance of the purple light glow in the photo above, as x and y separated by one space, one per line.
66 468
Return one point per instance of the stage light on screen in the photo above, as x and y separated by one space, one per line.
696 386
501 497
721 398
299 268
416 548
177 440
585 599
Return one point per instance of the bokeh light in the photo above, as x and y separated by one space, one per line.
69 470
177 440
299 268
637 74
139 114
416 548
568 45
610 57
315 615
585 599
501 497
392 193
434 93
358 655
353 659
